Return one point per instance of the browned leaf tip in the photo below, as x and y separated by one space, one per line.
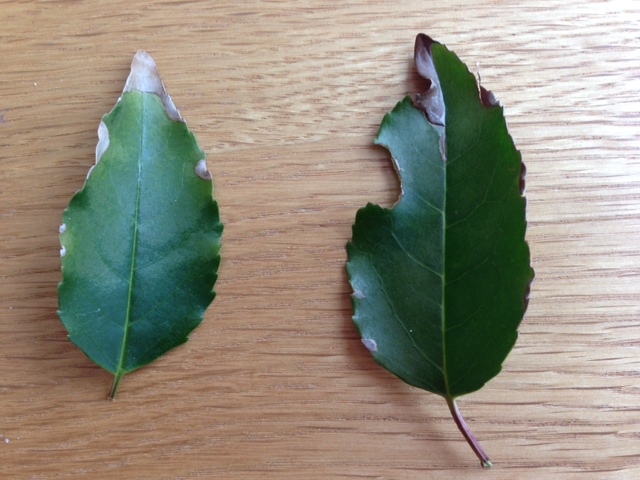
430 102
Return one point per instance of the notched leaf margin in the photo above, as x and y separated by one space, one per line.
145 78
431 104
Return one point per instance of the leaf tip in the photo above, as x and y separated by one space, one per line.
144 77
431 102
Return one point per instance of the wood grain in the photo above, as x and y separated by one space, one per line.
286 97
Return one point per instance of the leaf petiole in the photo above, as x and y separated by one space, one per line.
114 386
468 435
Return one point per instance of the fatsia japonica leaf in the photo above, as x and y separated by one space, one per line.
440 281
141 240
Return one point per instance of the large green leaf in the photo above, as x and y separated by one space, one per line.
441 280
140 241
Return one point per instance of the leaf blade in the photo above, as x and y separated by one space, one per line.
142 238
440 281
444 217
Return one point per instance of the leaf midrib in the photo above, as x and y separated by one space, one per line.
134 245
443 316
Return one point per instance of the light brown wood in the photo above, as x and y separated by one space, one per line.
286 97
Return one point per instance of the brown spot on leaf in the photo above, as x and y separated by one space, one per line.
523 174
487 98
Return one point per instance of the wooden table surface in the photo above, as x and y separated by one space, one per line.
286 97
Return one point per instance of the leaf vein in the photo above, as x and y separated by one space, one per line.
161 302
473 363
404 327
466 272
423 200
415 260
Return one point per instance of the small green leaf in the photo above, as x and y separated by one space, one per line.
441 280
141 240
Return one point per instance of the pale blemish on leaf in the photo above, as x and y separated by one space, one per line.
103 141
102 146
62 229
201 170
371 344
123 221
445 270
144 77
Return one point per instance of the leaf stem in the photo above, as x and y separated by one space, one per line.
468 435
114 387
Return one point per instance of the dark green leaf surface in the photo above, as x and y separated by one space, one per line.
140 241
440 279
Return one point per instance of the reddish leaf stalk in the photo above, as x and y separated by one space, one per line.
468 435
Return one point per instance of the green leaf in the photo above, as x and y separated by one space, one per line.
141 240
440 281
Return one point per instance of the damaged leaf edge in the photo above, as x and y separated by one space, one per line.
144 78
431 104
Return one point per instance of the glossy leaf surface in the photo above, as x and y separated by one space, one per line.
141 240
440 280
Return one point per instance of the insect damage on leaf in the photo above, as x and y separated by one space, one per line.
431 101
441 280
140 242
